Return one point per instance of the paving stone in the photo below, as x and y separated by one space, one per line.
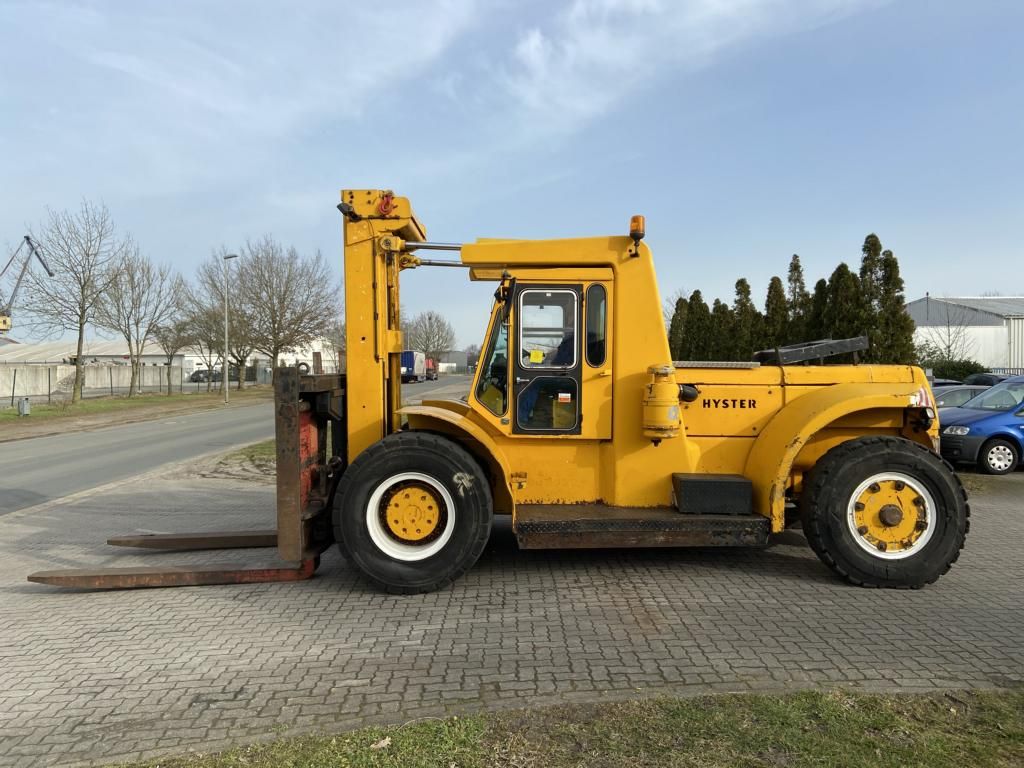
93 677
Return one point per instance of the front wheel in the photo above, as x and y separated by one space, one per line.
998 457
413 512
884 512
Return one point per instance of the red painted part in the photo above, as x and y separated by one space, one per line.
309 448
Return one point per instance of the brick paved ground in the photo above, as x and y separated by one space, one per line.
99 676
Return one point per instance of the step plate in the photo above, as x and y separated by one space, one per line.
594 526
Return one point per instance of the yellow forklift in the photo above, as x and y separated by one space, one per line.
580 427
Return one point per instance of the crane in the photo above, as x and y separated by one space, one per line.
7 308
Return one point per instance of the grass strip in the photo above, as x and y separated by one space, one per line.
812 729
118 404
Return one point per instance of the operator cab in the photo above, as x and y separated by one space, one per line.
545 369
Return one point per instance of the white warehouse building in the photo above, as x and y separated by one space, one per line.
988 329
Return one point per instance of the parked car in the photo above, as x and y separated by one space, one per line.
232 374
988 429
988 379
198 375
944 382
956 395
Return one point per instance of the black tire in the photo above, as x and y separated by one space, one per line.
990 454
452 468
828 491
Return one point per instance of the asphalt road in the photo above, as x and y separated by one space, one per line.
42 469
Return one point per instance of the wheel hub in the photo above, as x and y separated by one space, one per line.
1000 458
412 513
891 514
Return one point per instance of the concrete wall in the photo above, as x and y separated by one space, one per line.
39 380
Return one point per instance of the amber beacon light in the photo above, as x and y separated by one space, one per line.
636 231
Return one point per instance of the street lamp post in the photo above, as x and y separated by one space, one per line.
225 368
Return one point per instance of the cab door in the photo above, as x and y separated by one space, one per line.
548 360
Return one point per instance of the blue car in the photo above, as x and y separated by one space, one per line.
988 429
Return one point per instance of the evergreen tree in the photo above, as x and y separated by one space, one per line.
871 298
814 326
776 316
799 303
677 329
895 326
844 312
746 322
722 329
696 341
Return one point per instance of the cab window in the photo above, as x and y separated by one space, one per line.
492 389
597 323
547 329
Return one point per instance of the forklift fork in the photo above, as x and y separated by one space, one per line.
308 412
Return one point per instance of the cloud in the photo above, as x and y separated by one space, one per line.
194 89
592 56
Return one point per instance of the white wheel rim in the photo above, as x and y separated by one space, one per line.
927 513
1000 458
385 542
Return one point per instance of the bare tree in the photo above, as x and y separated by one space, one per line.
335 346
472 355
430 334
206 324
210 280
291 300
668 305
950 338
143 297
172 337
81 248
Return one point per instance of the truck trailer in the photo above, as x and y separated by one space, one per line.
414 367
581 428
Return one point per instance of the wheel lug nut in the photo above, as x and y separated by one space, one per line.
920 525
882 546
899 485
862 530
859 507
918 501
874 487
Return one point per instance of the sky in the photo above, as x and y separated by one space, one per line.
744 130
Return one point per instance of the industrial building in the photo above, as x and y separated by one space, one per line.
988 329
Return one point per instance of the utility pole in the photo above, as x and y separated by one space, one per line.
225 368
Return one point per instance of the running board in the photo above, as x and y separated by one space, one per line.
585 526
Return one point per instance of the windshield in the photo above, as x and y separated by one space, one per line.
492 386
1001 397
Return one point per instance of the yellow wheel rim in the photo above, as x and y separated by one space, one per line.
891 515
412 512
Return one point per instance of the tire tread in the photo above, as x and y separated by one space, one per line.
400 442
820 479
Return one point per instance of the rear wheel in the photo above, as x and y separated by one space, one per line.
884 512
998 457
413 512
